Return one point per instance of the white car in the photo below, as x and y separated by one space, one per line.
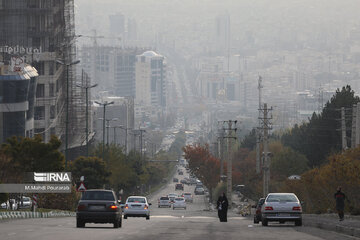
5 205
137 206
188 197
26 203
179 202
281 207
164 202
172 196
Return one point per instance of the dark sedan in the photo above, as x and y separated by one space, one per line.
99 206
257 215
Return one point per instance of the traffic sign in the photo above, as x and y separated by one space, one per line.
82 187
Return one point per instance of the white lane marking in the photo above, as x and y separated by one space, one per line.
182 216
200 217
163 216
250 226
29 230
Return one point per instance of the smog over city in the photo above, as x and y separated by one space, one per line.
180 119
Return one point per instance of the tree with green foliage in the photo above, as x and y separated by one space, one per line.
288 162
30 155
319 137
249 140
93 169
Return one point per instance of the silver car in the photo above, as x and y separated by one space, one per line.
137 206
281 207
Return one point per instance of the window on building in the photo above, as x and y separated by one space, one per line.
51 68
142 59
153 84
52 112
51 89
39 113
40 90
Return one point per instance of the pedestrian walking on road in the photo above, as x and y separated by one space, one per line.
340 203
222 207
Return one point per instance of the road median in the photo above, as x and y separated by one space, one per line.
27 214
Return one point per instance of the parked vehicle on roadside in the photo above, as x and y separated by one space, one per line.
137 206
257 215
26 202
99 206
281 207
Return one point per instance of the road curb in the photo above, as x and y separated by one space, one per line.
355 232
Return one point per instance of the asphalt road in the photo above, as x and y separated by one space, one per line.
165 223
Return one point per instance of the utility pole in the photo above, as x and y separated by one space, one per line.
230 131
104 117
86 87
141 142
258 132
266 126
343 129
221 151
357 129
353 127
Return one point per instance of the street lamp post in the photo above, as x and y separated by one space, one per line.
67 108
126 133
104 115
87 87
107 129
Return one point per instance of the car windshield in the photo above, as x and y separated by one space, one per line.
164 198
281 198
136 200
98 195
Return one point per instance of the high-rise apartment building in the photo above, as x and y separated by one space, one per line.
222 33
150 80
43 32
113 67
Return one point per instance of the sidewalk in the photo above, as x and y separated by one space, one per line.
350 226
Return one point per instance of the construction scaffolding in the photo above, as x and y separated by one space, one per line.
49 28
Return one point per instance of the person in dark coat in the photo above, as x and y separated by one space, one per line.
222 207
340 203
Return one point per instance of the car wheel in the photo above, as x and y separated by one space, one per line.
116 224
264 222
120 222
256 221
79 223
125 217
158 206
298 222
148 217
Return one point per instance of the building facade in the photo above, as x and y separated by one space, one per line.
41 31
17 100
115 67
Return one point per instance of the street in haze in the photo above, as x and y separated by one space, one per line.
165 224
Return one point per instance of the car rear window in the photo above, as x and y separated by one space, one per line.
187 193
281 198
164 198
136 200
98 195
179 199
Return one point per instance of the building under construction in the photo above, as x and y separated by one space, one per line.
42 32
